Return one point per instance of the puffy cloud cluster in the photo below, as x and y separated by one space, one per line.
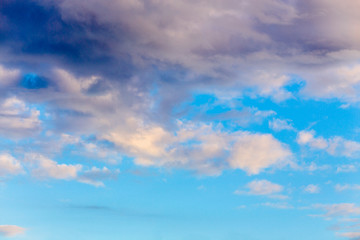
79 105
9 165
98 63
280 125
43 167
204 148
334 146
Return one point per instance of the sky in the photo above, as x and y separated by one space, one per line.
177 120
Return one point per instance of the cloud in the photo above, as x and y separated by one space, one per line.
255 152
95 176
204 148
278 205
346 168
333 146
345 214
9 165
260 44
263 188
351 235
339 210
311 188
18 120
103 61
314 167
8 77
279 125
340 82
340 188
11 230
43 168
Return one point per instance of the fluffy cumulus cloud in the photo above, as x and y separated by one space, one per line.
9 165
43 168
11 230
256 152
280 124
334 146
204 148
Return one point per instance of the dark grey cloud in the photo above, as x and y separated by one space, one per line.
204 45
38 29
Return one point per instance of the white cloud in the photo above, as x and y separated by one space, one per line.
333 146
345 214
307 138
311 188
346 168
314 167
341 82
202 147
340 187
263 188
279 205
272 85
17 119
339 210
255 152
9 165
95 176
43 168
11 230
279 125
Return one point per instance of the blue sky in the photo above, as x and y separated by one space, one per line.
176 120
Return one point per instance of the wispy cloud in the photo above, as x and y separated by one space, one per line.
11 230
263 188
312 188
